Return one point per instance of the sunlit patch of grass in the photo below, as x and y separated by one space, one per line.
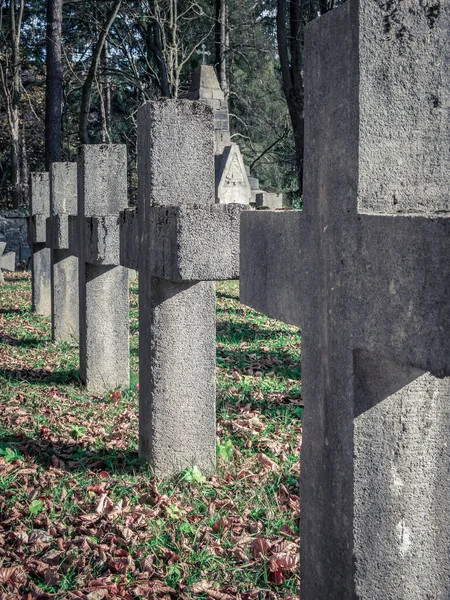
72 458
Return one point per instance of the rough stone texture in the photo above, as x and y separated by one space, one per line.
7 261
196 242
102 240
232 184
41 258
268 200
129 240
205 88
372 294
103 289
64 277
183 235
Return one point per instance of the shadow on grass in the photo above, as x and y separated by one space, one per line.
276 361
16 279
41 376
243 332
229 296
31 343
14 311
76 458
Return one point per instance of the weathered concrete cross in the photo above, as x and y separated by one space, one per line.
64 263
41 257
103 282
186 243
7 261
365 271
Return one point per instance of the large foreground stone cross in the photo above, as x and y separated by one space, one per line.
41 255
186 243
7 261
365 271
64 263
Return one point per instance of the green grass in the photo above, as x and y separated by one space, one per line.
82 517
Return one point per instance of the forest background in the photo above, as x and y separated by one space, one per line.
76 71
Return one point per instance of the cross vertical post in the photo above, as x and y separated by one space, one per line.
370 288
64 269
103 283
186 243
41 255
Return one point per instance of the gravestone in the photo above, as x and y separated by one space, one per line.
205 88
41 257
186 243
268 200
103 283
7 261
232 184
364 270
14 231
64 269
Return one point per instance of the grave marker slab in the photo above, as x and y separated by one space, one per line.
186 242
41 258
64 278
364 270
103 289
7 261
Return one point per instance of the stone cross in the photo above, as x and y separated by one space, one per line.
186 243
365 270
204 52
41 257
64 265
103 289
7 261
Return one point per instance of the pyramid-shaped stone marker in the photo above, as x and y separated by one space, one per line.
7 261
231 177
364 270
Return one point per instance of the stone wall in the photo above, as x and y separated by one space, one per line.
13 230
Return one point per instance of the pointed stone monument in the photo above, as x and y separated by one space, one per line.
232 184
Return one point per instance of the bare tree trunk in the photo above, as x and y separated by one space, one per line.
54 83
290 37
153 40
222 44
291 63
16 24
107 85
104 89
92 73
24 169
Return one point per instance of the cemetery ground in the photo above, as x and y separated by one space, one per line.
81 517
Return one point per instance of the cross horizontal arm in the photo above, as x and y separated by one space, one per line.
196 242
398 264
271 257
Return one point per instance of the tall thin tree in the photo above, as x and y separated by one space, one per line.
92 73
292 16
221 38
54 83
